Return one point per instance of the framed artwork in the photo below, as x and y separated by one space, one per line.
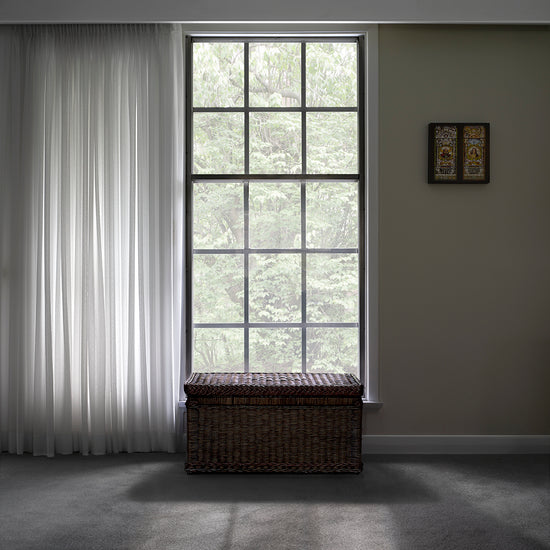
458 152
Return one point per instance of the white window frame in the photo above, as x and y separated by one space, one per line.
370 371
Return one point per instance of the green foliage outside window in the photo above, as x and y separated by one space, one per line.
282 216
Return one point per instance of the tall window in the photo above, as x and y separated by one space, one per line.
275 227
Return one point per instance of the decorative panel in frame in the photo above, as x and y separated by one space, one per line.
458 152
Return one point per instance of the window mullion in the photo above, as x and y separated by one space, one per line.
246 192
304 274
246 304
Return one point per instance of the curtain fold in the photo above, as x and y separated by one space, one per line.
92 198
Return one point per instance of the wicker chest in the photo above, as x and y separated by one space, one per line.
258 422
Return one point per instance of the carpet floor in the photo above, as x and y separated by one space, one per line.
147 502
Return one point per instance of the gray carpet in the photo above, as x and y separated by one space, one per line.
146 501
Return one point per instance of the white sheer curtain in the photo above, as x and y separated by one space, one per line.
91 204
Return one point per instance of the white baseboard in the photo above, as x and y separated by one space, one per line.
456 444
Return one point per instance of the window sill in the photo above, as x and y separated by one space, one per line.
372 404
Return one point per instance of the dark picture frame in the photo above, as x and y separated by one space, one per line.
458 152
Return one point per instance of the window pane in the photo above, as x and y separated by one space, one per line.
333 350
218 288
332 288
332 143
275 288
275 350
218 215
275 74
274 214
218 74
332 214
331 71
218 350
275 143
218 143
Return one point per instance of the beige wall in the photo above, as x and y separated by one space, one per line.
464 270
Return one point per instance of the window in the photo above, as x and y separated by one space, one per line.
276 202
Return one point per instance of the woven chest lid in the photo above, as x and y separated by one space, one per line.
272 384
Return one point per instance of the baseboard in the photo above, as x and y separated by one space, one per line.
456 444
